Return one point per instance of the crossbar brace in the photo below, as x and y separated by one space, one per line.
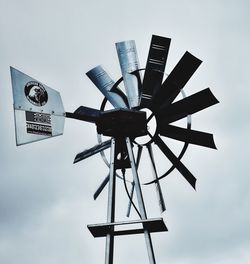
151 225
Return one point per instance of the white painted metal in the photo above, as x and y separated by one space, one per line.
129 63
47 114
104 83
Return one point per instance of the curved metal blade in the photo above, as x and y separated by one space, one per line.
104 83
155 68
174 160
138 158
176 80
92 151
187 106
129 63
157 183
101 187
188 135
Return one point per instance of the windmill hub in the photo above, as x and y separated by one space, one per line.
151 128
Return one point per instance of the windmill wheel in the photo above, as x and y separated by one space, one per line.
146 141
159 99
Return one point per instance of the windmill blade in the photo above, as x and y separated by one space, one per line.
129 64
92 151
188 135
104 83
101 187
176 80
38 109
174 160
138 158
157 183
187 106
155 68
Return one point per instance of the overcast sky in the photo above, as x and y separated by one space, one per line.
46 201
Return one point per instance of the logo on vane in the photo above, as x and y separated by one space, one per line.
36 93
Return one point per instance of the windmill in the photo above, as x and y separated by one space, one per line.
142 114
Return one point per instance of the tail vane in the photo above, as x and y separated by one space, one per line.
38 109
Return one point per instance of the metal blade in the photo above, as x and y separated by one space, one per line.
174 160
101 187
176 80
92 151
188 106
129 64
138 158
104 83
188 135
157 183
155 68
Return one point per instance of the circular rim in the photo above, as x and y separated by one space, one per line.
99 137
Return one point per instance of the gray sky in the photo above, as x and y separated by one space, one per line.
46 201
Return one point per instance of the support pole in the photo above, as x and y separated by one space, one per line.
141 205
109 251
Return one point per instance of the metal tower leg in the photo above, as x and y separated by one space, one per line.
141 205
109 251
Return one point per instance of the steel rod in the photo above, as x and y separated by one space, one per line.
133 184
157 183
109 250
141 204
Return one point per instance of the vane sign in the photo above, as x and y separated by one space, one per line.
39 111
